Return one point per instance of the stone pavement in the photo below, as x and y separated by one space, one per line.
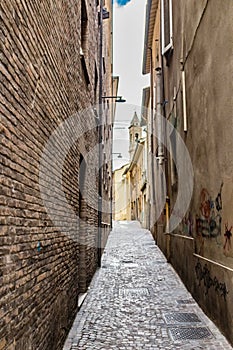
137 301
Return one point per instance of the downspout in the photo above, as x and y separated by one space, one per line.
151 132
168 184
161 129
100 136
159 119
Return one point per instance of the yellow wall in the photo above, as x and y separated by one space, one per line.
121 200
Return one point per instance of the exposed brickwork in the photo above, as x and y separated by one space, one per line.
42 270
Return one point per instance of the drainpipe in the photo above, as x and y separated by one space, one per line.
100 136
159 120
162 152
168 187
151 135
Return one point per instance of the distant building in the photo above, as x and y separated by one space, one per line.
131 180
135 132
121 198
188 53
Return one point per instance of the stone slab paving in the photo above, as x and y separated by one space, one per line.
137 301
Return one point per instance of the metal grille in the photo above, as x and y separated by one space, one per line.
134 292
185 301
151 263
181 317
190 333
110 265
149 244
129 263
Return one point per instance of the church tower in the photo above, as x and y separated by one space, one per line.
135 133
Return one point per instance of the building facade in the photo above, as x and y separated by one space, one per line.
52 76
188 54
121 207
134 176
109 88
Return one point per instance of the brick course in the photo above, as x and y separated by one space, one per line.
42 270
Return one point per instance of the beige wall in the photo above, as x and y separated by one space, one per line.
121 199
202 42
138 186
205 47
202 46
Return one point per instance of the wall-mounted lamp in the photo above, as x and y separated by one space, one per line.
119 155
105 13
117 98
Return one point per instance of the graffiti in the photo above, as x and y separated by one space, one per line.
208 222
187 224
203 273
218 200
227 234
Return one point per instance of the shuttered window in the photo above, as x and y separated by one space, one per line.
166 22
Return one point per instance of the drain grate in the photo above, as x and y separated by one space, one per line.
129 263
185 301
110 265
159 262
149 244
181 317
134 292
151 263
190 333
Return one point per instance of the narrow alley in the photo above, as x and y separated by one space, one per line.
137 301
116 174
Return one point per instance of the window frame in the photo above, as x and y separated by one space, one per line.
84 28
84 45
169 47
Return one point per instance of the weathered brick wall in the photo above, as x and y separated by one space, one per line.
42 83
108 119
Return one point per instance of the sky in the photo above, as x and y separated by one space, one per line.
128 44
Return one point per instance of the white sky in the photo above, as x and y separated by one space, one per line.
128 43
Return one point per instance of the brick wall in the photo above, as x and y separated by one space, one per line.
42 83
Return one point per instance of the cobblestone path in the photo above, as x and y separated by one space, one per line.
137 301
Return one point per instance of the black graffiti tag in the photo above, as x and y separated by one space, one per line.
203 273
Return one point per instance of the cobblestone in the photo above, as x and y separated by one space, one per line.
130 296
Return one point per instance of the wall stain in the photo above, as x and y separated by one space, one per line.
203 273
188 224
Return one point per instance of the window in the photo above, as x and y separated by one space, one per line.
166 21
84 28
104 66
84 40
95 84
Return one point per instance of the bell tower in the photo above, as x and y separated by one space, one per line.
135 133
